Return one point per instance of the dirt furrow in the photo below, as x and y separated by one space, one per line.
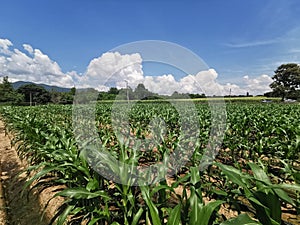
21 209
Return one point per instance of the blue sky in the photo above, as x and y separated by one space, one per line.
240 40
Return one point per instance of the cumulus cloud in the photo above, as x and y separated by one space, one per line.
117 70
28 48
114 69
252 85
4 46
233 89
202 82
258 85
165 84
35 67
206 81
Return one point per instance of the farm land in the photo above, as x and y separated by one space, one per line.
254 178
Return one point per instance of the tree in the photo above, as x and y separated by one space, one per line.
55 97
286 80
86 95
73 91
63 97
113 90
177 95
141 92
35 93
8 94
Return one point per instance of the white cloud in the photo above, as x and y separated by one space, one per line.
4 46
206 81
35 67
253 43
233 89
28 48
258 85
114 69
165 84
253 85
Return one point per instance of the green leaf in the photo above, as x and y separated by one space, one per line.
196 206
207 211
219 192
92 185
242 219
233 174
81 193
93 221
296 176
174 217
62 217
152 208
195 177
160 187
259 173
41 173
137 217
279 190
272 207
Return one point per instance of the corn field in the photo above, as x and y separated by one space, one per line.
256 173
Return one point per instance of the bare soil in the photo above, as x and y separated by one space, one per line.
17 206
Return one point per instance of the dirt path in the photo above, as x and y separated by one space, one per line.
2 203
19 209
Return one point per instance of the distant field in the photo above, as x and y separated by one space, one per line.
226 99
241 99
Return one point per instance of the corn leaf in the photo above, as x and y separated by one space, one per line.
174 217
242 219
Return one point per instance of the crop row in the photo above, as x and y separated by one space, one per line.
256 172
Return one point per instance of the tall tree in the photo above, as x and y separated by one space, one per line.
113 90
8 94
63 97
35 93
141 92
286 79
72 91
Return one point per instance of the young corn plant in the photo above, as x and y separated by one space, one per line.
266 198
45 137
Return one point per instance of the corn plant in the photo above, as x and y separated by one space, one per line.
265 197
45 137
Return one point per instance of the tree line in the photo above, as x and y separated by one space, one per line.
32 94
29 94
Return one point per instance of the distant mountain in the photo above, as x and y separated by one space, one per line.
18 84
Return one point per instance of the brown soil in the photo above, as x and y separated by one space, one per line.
2 206
18 206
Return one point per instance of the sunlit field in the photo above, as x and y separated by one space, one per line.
254 178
